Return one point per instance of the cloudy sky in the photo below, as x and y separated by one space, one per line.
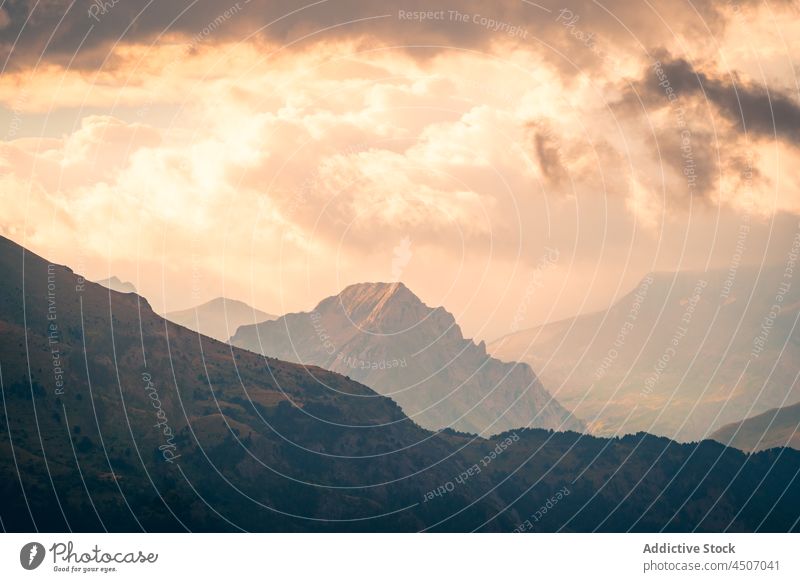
516 162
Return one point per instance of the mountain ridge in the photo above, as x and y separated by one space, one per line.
256 444
671 356
218 317
116 284
384 336
776 428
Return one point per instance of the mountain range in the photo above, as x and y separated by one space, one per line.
218 318
681 355
385 337
114 419
775 428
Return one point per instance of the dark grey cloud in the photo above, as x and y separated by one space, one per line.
547 151
709 121
82 31
751 108
695 159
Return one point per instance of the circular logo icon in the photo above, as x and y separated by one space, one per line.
31 555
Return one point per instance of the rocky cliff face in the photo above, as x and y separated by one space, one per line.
382 335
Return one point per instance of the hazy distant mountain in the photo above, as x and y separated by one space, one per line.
772 429
115 284
172 430
218 318
680 356
382 335
114 419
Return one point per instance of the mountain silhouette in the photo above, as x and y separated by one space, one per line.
680 356
114 419
116 284
384 336
775 428
218 318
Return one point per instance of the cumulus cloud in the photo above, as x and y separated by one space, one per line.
285 173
